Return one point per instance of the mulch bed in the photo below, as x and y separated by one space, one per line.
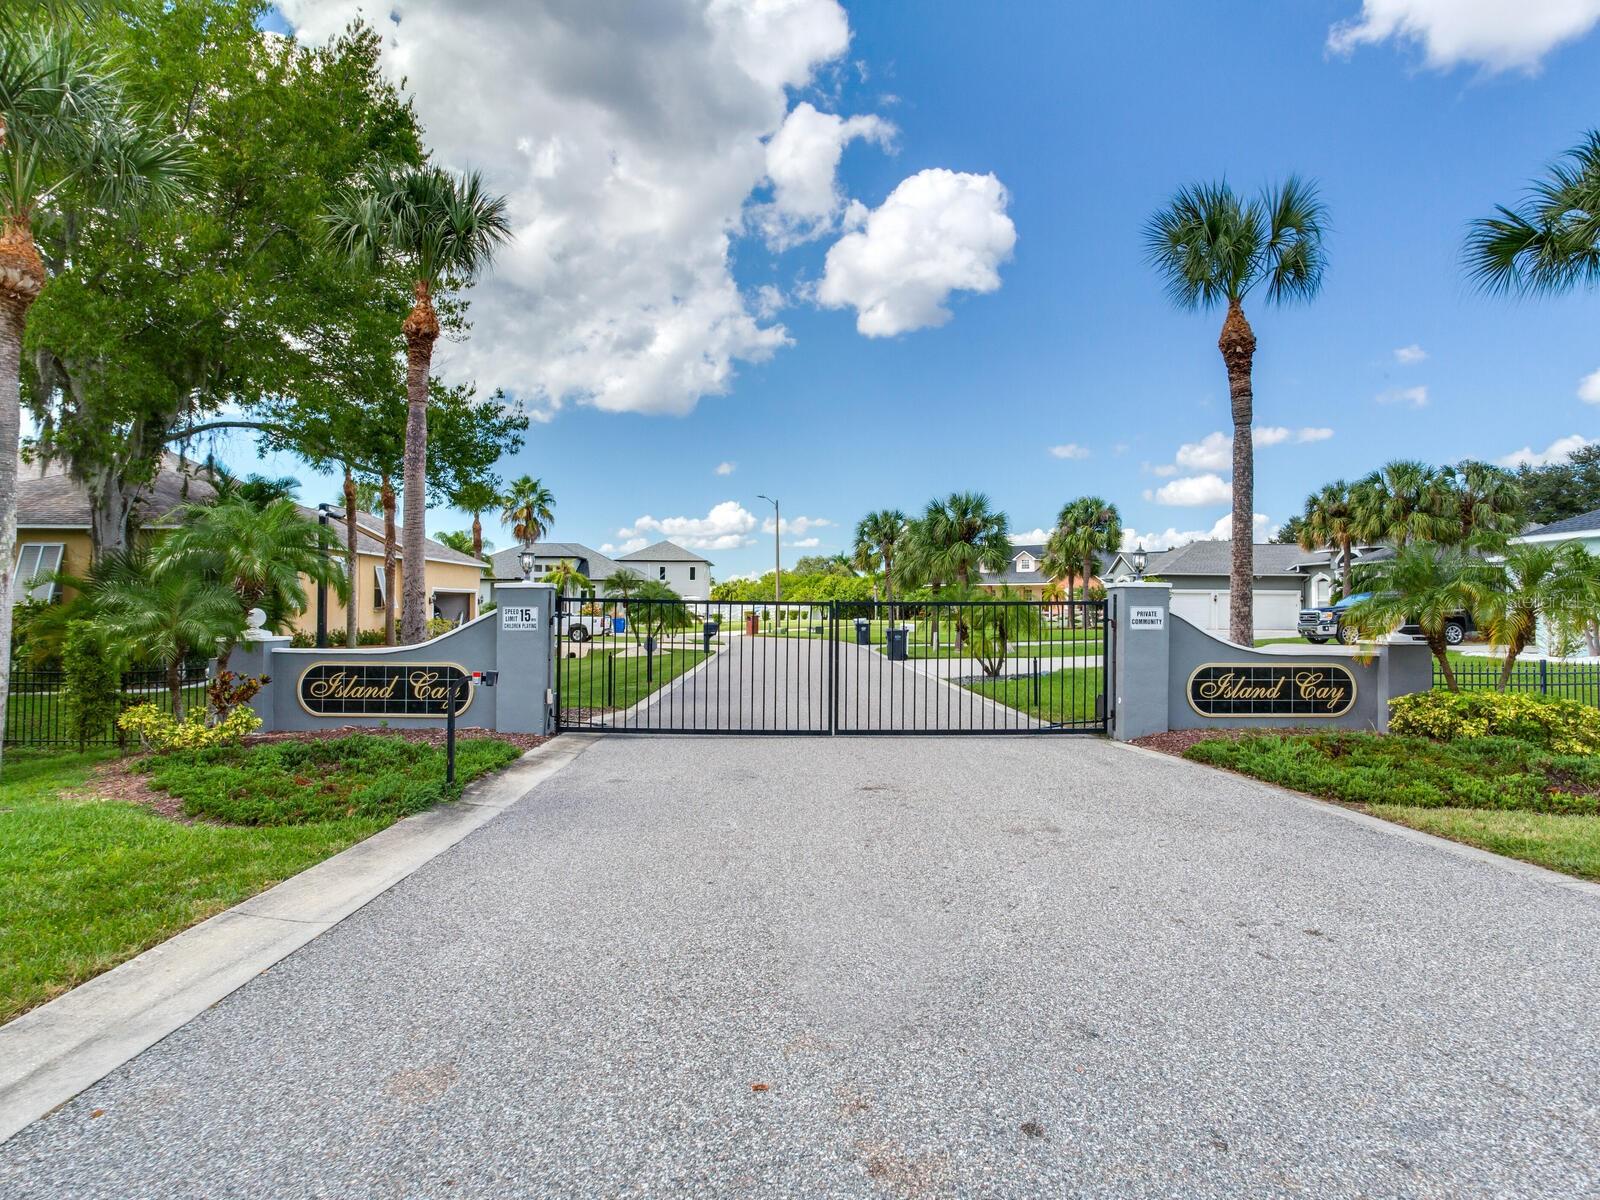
1176 741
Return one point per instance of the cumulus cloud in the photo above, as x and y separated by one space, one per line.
1410 356
1214 452
1192 491
1557 451
803 163
1417 397
1497 35
1069 450
1589 388
939 231
798 526
727 526
1261 525
726 468
810 543
1032 535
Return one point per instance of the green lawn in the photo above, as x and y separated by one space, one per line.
1064 697
604 679
1498 793
90 883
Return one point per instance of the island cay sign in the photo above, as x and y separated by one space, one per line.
342 689
1272 690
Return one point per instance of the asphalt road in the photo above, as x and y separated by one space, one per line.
888 967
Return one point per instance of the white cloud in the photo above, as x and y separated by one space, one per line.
803 162
1214 452
1262 530
1032 535
1410 356
627 547
1494 33
1069 450
1313 433
1589 388
1417 397
629 149
727 526
769 300
939 231
799 526
1557 451
810 543
726 468
1192 491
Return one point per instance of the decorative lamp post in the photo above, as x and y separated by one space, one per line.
1140 558
322 585
525 560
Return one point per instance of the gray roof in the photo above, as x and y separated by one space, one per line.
369 538
1215 557
1011 577
664 552
506 564
49 498
1588 522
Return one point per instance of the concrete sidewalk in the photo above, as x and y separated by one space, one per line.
898 967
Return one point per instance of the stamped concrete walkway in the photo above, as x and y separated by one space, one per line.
906 967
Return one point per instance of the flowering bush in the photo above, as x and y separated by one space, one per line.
1564 726
160 731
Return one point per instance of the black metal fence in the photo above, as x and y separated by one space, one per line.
36 707
1568 681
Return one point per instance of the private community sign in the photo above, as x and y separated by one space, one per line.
1260 689
379 689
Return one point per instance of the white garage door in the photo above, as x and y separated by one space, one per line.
1208 610
1276 610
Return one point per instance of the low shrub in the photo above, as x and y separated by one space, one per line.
297 783
1367 768
91 682
1564 726
162 732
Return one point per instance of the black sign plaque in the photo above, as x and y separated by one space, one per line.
387 689
1259 689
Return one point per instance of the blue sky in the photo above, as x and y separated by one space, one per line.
646 189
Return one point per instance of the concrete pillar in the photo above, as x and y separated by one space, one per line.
253 656
1406 666
525 656
1141 657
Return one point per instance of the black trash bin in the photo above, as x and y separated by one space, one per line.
710 630
863 632
897 644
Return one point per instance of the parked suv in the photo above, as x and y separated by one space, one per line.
1327 623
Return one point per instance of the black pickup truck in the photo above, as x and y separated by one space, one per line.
1327 624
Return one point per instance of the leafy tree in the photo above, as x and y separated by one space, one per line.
1406 501
168 617
1330 519
1288 534
1557 582
1564 489
1550 242
478 496
440 229
885 532
69 138
530 509
91 668
1422 583
1213 248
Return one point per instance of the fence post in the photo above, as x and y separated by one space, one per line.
1544 676
1036 682
611 675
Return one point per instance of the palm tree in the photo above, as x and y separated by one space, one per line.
1560 583
960 535
1550 243
1488 501
884 532
477 497
1406 501
1085 528
63 124
440 229
621 583
1330 520
169 616
1426 585
567 578
1212 248
260 554
530 509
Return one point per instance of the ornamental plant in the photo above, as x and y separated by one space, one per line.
162 732
92 681
1562 726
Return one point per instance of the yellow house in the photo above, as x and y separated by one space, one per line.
53 534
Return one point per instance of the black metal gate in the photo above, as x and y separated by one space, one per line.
628 665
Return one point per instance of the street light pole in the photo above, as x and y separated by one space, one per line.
322 587
777 549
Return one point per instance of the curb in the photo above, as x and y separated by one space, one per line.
50 1054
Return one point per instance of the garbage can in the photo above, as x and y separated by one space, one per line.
619 624
710 630
752 623
863 632
897 644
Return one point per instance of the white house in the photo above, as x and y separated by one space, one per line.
684 571
1286 579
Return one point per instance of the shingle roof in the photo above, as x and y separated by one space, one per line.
52 499
369 539
664 552
1215 557
1588 522
506 564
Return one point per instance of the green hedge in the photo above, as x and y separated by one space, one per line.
1564 726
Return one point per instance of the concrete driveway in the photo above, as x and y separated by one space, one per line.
889 967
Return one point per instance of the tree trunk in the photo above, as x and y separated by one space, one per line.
477 537
1441 651
1510 665
21 279
387 495
421 330
1238 346
1591 635
352 630
1344 569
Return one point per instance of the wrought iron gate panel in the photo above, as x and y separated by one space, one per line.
629 665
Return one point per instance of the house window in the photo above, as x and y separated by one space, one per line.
377 586
1026 562
691 573
34 560
663 571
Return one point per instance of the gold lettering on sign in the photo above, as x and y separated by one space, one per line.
426 685
1314 685
1234 687
345 685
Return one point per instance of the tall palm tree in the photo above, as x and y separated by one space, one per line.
885 531
1329 519
1213 248
1423 584
1406 501
477 497
1549 243
960 535
1488 501
530 509
64 126
440 228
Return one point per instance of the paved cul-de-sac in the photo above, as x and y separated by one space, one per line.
905 967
